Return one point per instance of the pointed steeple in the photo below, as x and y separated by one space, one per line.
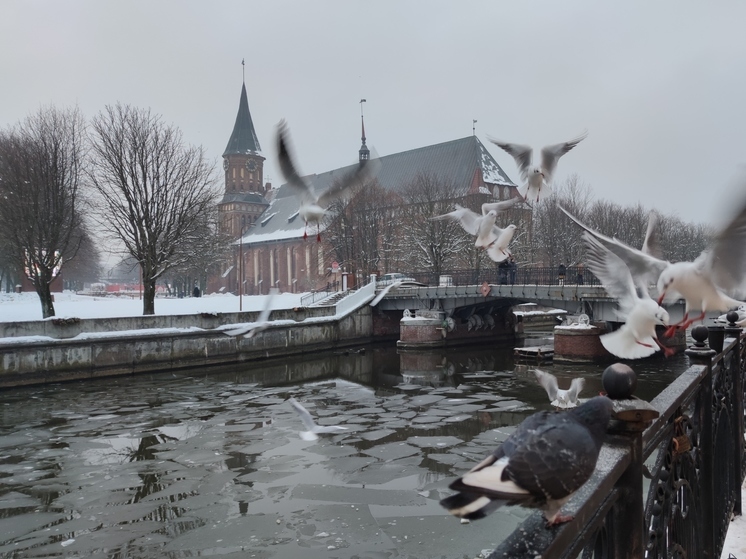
364 151
243 139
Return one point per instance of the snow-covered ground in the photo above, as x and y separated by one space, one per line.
17 307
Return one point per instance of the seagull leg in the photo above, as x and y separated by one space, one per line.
691 321
671 330
684 324
318 233
305 231
559 519
667 351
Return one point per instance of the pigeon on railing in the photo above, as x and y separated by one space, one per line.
547 458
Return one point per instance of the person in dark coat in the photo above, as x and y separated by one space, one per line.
513 270
196 291
502 269
561 270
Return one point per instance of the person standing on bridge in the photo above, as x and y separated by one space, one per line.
561 270
512 269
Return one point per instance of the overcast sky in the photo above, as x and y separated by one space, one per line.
660 86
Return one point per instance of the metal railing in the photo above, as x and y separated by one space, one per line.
510 276
318 294
664 486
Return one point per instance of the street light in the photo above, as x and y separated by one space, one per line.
241 267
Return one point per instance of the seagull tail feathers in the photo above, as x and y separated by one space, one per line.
623 344
471 506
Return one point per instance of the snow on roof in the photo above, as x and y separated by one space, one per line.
491 171
267 218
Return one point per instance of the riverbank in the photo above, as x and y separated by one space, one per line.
22 307
60 349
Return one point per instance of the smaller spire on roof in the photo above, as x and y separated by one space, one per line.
364 151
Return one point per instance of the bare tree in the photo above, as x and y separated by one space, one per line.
83 265
431 245
557 239
358 228
41 166
209 250
154 191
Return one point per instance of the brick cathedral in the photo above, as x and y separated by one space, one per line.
269 247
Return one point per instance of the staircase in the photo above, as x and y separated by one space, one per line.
331 300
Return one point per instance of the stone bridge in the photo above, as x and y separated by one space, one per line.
464 300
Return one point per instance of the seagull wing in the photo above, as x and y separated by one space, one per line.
499 206
305 417
549 382
726 258
576 386
551 154
652 244
342 187
264 315
289 170
521 154
644 268
611 271
468 219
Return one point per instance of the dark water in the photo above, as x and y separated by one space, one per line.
210 463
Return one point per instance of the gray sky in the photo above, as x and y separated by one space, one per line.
660 86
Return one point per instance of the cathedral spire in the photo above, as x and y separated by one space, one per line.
364 151
243 139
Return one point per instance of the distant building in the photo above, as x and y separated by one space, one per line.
272 248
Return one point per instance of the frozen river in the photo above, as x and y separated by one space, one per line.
210 463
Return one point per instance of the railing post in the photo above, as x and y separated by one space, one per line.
631 417
737 379
700 354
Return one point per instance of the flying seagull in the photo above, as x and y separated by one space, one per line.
253 328
540 465
313 430
489 236
537 178
637 337
560 398
313 205
703 283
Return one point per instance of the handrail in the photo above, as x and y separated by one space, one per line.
318 294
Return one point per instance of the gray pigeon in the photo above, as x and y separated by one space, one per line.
547 458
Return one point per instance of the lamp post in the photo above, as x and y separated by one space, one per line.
241 267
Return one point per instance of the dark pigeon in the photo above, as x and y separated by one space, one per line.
547 458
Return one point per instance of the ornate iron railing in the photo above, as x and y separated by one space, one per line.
665 486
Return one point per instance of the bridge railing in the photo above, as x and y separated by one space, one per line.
665 488
318 294
515 276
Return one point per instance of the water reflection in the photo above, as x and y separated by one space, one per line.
203 463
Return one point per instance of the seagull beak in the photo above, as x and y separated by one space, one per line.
660 299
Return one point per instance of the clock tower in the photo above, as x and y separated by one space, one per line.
243 201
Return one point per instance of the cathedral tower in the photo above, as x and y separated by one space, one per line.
243 201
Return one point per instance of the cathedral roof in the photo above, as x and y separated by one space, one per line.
243 139
455 162
244 197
